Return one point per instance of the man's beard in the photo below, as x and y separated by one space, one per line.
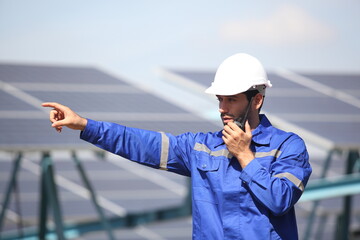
239 118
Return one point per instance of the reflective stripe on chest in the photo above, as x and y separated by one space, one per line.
225 153
273 153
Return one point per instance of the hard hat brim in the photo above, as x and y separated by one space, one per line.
218 90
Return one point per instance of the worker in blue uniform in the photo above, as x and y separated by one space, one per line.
246 178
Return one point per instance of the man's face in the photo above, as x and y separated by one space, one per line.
232 107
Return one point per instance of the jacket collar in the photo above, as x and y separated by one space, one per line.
262 134
218 140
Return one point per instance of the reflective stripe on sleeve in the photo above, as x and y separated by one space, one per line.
224 152
292 179
164 154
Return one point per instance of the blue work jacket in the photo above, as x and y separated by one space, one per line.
228 202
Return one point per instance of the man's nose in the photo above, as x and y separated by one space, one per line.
223 108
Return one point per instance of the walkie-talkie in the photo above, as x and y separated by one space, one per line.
240 121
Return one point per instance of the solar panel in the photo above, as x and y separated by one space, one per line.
9 102
16 73
92 93
343 82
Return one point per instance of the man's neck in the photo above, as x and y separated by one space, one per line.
254 121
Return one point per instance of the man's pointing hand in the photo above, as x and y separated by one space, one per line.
61 116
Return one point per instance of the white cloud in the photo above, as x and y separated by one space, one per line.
289 24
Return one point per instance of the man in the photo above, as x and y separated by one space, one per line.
245 179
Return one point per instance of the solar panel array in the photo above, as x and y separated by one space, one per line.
321 107
92 93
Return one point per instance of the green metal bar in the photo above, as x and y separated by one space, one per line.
10 187
44 201
353 157
320 230
54 200
338 227
20 225
345 224
332 187
49 198
86 182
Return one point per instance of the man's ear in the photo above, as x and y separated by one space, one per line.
258 101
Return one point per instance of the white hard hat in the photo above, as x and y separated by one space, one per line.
239 73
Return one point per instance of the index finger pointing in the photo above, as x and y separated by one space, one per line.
54 105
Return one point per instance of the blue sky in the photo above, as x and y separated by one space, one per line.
135 37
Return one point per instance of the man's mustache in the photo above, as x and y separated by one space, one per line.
227 115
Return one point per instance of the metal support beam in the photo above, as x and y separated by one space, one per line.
10 187
130 220
49 199
87 183
344 224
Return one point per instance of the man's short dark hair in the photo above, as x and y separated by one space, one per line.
252 93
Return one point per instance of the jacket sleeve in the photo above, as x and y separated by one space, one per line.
153 149
282 186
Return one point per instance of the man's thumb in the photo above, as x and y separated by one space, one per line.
59 123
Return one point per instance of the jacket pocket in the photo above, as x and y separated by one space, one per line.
207 164
206 172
